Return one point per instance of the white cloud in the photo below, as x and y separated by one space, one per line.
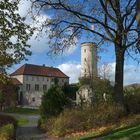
71 69
131 72
39 41
24 7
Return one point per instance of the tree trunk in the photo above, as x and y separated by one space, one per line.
119 72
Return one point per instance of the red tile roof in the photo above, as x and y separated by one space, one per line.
30 69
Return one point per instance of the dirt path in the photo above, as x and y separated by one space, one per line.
30 131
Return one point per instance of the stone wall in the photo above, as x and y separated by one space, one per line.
28 94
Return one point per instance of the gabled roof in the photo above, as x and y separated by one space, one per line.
16 81
36 70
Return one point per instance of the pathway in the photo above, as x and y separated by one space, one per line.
29 131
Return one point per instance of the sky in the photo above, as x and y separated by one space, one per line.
70 61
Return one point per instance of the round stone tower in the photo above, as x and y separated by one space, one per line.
89 59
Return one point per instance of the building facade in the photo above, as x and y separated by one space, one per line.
35 80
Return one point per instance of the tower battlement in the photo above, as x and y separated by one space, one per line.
91 44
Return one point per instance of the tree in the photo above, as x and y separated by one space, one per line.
1 100
53 102
14 34
105 71
8 94
138 20
115 23
70 91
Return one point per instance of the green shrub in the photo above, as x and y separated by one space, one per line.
132 102
100 86
132 98
70 91
53 102
7 127
108 113
68 122
75 120
7 132
42 124
7 120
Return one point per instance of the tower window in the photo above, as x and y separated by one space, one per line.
85 59
84 50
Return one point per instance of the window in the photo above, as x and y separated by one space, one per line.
85 59
44 87
26 78
32 78
37 87
27 87
33 99
84 50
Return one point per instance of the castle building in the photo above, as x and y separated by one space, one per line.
88 59
34 80
88 70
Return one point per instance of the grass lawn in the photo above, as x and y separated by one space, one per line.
21 121
130 133
126 129
20 110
